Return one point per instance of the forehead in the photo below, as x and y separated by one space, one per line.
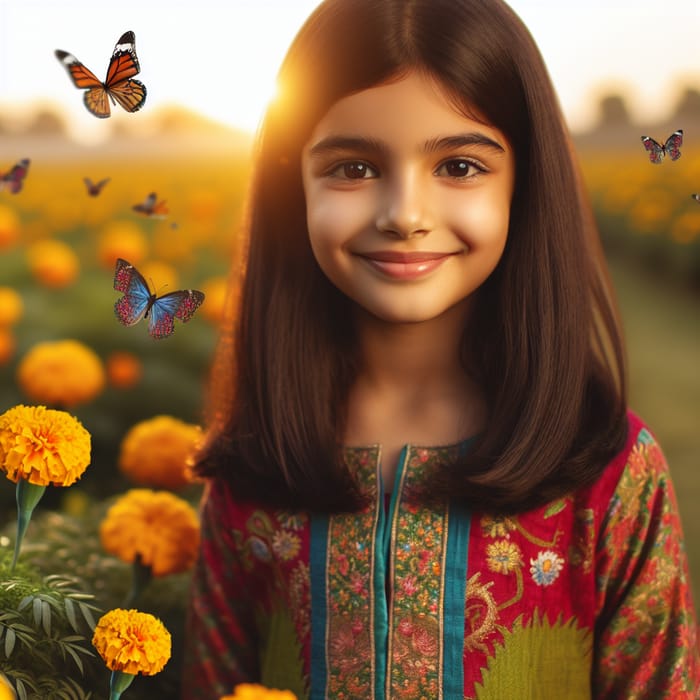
413 107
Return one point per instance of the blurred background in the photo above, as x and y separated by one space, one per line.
622 70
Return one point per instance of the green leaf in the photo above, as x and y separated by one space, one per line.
37 611
76 658
555 507
10 637
87 614
21 690
46 617
25 602
70 613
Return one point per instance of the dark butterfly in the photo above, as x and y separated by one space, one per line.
152 207
138 302
94 188
119 85
672 147
14 179
696 197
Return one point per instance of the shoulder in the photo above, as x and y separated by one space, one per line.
640 461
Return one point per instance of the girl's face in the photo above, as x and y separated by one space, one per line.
407 200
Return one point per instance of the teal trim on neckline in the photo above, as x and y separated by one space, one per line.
319 598
382 557
456 566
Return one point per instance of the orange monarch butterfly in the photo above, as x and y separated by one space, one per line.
119 85
152 207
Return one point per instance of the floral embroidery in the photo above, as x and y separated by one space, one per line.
285 545
259 549
349 578
504 557
497 525
480 614
545 568
419 534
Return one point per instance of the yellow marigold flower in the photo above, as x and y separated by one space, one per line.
53 263
157 452
132 642
157 526
11 306
7 345
43 446
253 691
9 227
121 239
63 372
6 692
124 369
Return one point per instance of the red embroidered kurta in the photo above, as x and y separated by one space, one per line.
587 597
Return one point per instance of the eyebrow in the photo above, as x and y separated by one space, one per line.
341 143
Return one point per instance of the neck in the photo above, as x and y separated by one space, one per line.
412 358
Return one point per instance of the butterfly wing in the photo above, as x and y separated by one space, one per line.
94 188
14 179
166 309
119 86
95 97
656 150
137 299
123 66
673 144
146 207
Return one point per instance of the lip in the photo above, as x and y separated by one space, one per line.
405 266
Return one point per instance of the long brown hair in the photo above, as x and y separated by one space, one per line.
549 355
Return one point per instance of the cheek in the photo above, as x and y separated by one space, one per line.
480 221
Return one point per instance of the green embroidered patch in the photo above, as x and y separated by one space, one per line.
539 661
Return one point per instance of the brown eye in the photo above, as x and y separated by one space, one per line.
460 168
355 171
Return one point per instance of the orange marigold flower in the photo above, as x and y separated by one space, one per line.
43 446
216 291
156 526
124 369
6 692
7 345
63 372
253 691
157 452
161 275
132 642
53 263
121 239
9 227
11 306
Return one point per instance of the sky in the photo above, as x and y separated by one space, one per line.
220 58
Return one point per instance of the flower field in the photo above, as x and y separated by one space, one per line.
102 547
122 534
646 212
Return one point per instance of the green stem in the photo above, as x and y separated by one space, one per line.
141 576
118 683
28 495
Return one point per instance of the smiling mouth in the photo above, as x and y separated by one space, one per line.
405 266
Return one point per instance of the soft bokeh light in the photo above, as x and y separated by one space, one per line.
221 59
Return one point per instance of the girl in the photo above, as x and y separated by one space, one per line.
423 479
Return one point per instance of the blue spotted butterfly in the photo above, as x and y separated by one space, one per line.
138 302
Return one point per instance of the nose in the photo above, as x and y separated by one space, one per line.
403 209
